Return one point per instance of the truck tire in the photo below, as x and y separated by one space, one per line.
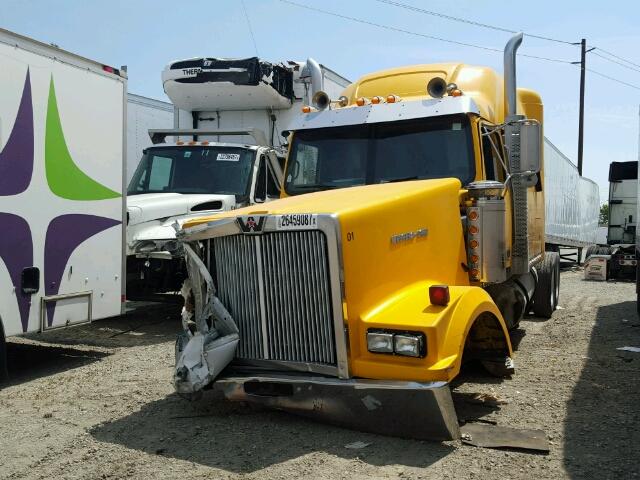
4 373
545 297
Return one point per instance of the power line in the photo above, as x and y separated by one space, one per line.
613 79
409 32
253 39
615 61
619 58
469 22
501 29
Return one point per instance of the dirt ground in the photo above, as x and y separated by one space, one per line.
97 402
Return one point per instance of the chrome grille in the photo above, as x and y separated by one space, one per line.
277 288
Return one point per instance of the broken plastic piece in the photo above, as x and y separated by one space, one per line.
493 436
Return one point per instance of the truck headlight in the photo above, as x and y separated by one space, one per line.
408 344
380 342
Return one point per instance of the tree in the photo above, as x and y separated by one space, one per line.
604 214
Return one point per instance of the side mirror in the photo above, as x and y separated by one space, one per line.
530 141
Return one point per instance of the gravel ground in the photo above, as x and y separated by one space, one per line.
96 402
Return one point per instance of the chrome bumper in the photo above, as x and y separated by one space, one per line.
416 410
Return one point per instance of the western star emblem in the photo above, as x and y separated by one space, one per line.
251 224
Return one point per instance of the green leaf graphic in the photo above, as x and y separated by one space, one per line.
64 177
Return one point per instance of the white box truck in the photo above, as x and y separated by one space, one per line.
62 150
227 151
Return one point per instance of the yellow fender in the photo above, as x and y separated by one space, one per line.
447 330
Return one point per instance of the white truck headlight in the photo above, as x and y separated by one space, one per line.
380 342
408 345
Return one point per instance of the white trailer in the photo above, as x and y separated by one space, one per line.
572 203
227 152
143 114
62 141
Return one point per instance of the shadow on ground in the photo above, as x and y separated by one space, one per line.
40 354
29 361
148 324
602 426
243 439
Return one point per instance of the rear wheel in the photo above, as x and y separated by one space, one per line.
545 297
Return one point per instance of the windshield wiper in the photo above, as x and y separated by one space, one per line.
403 179
316 186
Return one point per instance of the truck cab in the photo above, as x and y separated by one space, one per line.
179 181
409 240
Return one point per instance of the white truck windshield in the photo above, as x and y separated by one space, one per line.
378 153
198 169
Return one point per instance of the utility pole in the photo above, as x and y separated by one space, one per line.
583 57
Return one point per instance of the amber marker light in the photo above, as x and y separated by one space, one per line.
393 98
306 109
475 258
179 143
456 93
473 215
376 100
473 230
473 243
474 272
361 101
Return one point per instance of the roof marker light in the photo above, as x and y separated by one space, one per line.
306 109
376 100
361 101
393 98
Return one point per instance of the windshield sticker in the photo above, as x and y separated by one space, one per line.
456 126
187 154
301 221
228 157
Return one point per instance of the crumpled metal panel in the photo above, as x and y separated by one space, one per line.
572 202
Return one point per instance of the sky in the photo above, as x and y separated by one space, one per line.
146 35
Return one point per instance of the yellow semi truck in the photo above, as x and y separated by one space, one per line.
410 239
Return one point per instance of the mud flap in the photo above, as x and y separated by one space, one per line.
204 351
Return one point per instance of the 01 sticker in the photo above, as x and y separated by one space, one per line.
298 221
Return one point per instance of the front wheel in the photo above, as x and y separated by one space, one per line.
545 297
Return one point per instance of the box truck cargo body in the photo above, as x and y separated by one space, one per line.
143 114
62 145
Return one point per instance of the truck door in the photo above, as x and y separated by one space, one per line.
266 186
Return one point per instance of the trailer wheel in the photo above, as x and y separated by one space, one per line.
590 251
4 373
545 297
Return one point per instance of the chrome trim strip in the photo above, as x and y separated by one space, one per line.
261 293
241 363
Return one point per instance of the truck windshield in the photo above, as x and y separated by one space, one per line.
378 153
222 170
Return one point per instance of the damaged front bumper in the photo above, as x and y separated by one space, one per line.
422 411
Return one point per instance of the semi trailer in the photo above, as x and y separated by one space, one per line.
410 239
225 151
62 150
